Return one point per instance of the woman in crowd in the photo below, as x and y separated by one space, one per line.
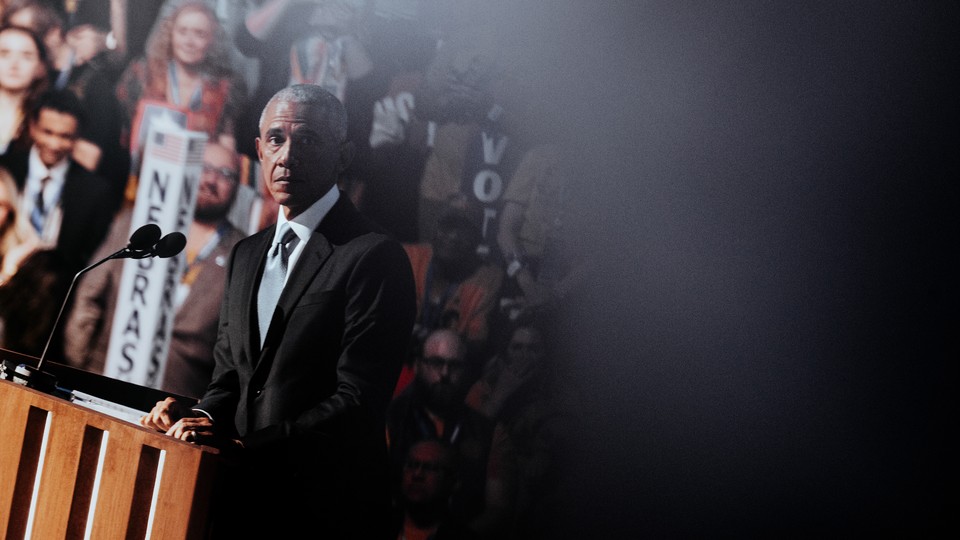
519 389
41 18
16 235
24 69
20 276
187 67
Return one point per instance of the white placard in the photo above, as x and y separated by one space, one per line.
166 195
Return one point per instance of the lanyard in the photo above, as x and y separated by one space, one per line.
193 268
195 99
428 428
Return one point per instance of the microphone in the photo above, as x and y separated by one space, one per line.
141 243
169 245
145 242
144 237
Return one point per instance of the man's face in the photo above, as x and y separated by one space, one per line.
300 154
425 473
441 372
86 42
525 345
54 135
218 184
454 242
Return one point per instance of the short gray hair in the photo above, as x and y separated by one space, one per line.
310 94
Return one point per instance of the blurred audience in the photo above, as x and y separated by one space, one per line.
517 388
24 69
455 288
67 206
210 240
39 17
433 407
16 235
543 256
428 480
473 151
90 70
300 42
187 70
394 146
30 301
512 377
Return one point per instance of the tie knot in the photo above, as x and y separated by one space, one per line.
286 235
282 245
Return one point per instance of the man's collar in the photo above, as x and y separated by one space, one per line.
308 220
39 169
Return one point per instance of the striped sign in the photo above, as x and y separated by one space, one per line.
166 196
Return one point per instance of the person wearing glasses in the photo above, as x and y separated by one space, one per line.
428 480
432 407
210 240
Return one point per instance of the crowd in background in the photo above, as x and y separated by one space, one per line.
447 162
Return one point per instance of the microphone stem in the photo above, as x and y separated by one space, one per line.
63 306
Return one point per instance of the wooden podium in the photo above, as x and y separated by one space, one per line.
72 471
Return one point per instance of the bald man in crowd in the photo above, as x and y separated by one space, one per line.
433 407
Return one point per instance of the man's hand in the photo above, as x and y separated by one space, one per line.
163 415
199 430
195 429
168 417
390 119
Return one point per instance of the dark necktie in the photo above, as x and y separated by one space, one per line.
39 214
274 273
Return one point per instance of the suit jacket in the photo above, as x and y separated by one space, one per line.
310 405
86 205
86 215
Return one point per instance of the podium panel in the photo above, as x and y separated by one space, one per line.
68 471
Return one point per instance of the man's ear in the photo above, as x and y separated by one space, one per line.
347 151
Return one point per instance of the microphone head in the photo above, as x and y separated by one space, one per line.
144 237
170 245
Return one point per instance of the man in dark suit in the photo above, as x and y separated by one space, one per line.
70 210
299 398
66 203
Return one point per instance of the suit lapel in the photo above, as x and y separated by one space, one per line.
315 253
72 198
250 294
339 223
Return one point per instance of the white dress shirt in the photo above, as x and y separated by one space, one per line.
52 189
304 224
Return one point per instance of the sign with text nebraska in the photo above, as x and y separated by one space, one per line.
166 195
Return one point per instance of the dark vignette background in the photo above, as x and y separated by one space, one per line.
769 347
